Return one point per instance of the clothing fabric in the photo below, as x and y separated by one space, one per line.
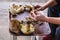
57 35
54 12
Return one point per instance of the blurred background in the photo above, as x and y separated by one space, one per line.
24 0
4 19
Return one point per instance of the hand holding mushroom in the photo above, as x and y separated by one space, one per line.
37 16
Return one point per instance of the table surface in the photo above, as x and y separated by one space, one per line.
4 21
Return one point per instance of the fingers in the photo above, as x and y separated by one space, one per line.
37 13
38 9
33 14
37 6
33 18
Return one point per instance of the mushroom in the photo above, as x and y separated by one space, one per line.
15 26
15 9
27 28
28 8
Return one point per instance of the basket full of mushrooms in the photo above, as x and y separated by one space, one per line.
19 21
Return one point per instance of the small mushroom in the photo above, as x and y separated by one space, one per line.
28 8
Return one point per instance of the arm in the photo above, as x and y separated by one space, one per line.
41 17
49 4
53 20
37 16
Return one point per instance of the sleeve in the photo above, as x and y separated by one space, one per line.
58 1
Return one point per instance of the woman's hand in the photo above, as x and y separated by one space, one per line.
37 16
38 7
